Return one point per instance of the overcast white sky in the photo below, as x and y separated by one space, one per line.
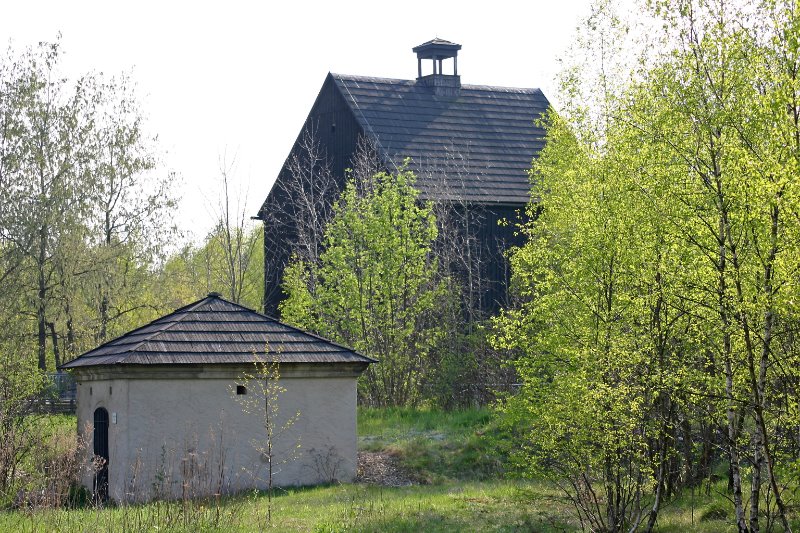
240 77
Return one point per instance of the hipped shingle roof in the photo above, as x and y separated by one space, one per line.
216 331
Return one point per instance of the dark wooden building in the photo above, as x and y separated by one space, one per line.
470 146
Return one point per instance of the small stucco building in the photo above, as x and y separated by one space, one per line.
166 410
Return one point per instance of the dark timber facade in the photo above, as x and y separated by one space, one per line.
470 146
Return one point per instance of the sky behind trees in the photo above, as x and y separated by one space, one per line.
236 80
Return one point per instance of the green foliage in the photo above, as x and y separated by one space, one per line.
657 288
590 360
376 287
195 270
83 215
466 371
20 384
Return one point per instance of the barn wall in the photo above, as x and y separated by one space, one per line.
499 231
338 132
495 229
188 434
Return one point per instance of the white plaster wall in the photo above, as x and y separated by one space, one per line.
190 435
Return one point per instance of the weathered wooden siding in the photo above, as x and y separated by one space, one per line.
499 237
494 228
337 130
471 148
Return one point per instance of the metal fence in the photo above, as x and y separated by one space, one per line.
62 386
58 395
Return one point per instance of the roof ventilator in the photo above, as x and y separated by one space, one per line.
438 50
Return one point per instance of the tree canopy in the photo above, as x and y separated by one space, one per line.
84 209
376 287
658 288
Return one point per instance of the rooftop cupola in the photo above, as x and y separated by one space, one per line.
438 50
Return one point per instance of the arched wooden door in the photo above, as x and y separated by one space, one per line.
101 454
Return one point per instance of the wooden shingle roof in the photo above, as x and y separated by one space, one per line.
216 331
437 40
474 147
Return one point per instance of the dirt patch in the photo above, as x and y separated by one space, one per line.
381 468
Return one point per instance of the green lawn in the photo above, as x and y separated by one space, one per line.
460 456
451 506
471 506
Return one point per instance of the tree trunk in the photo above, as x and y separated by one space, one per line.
103 332
41 296
733 450
104 304
758 379
755 482
70 331
651 522
54 340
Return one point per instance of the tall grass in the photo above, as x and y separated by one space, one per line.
475 506
436 446
493 506
394 423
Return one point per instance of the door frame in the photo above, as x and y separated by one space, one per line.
101 454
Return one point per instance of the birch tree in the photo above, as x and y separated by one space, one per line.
664 266
377 287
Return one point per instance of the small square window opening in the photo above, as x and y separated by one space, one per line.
240 390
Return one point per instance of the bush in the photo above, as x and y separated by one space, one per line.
51 477
715 511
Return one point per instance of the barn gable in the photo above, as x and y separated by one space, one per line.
471 146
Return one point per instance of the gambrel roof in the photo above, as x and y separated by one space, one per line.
214 330
474 147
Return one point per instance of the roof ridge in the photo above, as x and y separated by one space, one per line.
183 311
187 307
294 328
527 90
129 351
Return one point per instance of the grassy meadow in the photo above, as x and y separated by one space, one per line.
462 485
